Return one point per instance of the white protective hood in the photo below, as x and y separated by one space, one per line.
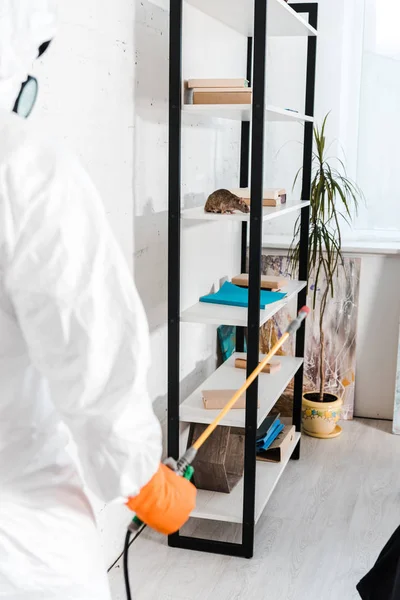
24 26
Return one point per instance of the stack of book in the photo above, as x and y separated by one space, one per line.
275 438
219 91
271 196
268 431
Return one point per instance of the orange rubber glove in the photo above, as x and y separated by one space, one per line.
165 503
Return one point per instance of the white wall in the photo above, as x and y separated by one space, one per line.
86 97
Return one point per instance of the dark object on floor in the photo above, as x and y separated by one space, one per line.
383 580
224 202
219 463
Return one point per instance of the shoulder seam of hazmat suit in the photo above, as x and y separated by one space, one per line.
81 317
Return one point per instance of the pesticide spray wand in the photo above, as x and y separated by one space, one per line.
183 466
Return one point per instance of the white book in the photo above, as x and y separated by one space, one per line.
268 193
218 83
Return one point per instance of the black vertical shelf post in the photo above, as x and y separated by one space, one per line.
174 226
256 222
244 183
312 10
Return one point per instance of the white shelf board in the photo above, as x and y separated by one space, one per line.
239 15
269 212
229 507
227 377
242 112
219 314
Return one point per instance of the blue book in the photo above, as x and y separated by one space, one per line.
265 428
233 295
271 436
268 434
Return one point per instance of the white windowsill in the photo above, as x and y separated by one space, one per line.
356 246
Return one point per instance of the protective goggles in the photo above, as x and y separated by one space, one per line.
29 91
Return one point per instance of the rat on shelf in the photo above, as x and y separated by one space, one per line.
225 203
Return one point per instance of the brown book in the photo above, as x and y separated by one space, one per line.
275 202
236 96
217 399
218 83
271 196
268 282
271 368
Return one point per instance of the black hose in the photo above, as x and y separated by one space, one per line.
126 570
124 553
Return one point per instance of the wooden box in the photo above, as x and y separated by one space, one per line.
222 96
273 367
218 399
219 463
268 282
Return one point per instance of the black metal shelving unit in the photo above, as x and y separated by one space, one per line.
252 138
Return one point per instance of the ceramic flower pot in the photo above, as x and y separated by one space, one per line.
320 418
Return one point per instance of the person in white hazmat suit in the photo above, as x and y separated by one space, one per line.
74 354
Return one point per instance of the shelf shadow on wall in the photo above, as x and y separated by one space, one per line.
150 149
150 264
192 381
151 82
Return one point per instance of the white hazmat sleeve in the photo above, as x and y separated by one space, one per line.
82 319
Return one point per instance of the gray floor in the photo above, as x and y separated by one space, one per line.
325 524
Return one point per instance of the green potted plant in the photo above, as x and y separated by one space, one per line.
333 197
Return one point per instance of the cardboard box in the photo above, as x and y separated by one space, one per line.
218 83
222 96
271 196
271 368
279 447
217 399
268 282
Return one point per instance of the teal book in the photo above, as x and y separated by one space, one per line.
233 295
227 341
